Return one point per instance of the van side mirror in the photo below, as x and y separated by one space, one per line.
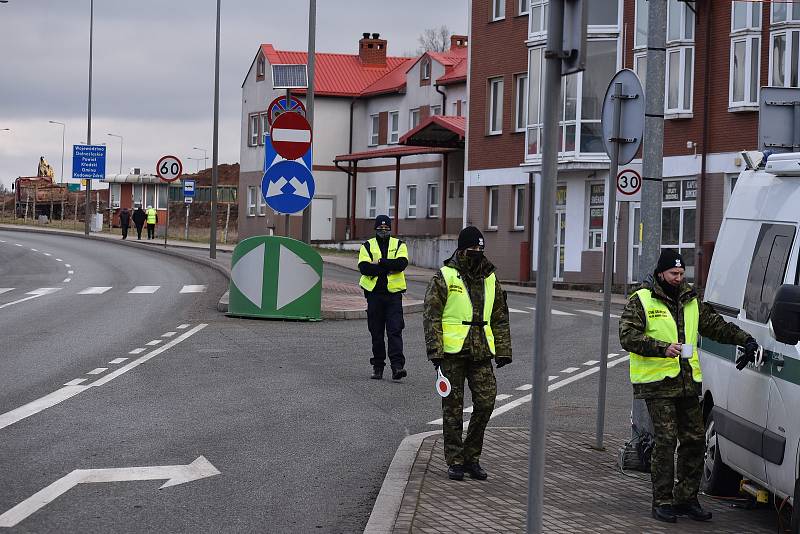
785 314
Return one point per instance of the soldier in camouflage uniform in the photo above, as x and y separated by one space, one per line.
466 326
663 305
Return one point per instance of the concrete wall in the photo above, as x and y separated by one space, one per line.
430 252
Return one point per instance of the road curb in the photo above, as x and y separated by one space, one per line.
387 504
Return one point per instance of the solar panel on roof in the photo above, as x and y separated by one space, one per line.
289 77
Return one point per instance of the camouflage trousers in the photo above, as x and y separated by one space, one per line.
681 419
482 384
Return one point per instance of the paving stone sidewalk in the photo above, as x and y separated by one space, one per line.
585 492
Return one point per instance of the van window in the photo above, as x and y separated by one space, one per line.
767 270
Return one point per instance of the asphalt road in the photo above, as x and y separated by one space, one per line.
285 411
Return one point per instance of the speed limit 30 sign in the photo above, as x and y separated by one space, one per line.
629 186
169 168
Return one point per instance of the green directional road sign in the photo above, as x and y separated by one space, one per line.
276 278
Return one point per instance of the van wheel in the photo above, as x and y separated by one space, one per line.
718 478
796 509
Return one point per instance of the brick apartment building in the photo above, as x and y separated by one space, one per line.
389 136
718 55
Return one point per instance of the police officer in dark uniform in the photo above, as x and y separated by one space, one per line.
381 262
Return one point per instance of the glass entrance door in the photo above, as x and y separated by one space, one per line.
561 238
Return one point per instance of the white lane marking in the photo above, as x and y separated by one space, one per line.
66 280
183 327
154 342
59 259
174 475
591 362
35 249
597 313
97 371
554 312
1 241
502 397
67 265
98 290
75 382
70 272
470 409
17 244
569 370
46 253
612 354
36 293
514 310
193 289
137 351
168 334
66 392
551 378
6 289
144 289
525 387
117 360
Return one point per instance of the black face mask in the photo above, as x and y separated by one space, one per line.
474 258
383 234
671 291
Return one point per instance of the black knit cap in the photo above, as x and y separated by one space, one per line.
380 220
669 259
470 237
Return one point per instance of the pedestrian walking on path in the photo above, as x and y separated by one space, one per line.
139 217
466 325
660 327
124 222
381 262
152 219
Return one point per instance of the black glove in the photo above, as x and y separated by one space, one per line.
437 362
501 361
750 349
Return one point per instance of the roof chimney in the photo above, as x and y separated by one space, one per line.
372 50
458 41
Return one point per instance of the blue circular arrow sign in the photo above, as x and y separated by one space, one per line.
288 187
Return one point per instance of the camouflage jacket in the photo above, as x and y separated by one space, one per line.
475 346
631 335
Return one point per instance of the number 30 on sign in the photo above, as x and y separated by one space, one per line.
169 168
629 186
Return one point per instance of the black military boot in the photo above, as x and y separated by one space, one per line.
397 374
377 373
693 510
456 472
664 513
475 471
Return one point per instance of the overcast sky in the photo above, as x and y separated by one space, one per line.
153 69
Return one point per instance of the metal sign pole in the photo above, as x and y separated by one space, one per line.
186 230
166 227
212 245
312 34
544 277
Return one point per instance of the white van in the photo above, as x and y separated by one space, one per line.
752 428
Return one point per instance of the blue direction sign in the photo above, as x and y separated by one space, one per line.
89 162
188 188
288 187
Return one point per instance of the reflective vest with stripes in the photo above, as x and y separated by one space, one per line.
396 282
458 311
662 327
151 216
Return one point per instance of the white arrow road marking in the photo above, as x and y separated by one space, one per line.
175 474
193 289
300 188
66 392
514 310
6 289
597 313
295 277
36 293
141 290
99 290
275 188
248 275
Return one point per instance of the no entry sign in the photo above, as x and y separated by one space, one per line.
291 135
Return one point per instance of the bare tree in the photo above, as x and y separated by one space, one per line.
434 40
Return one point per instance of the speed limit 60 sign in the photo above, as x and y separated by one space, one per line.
629 186
169 168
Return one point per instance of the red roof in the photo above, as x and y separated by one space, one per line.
437 130
344 74
393 152
457 71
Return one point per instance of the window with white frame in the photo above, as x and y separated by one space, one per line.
745 54
581 100
426 69
436 110
520 102
498 9
261 203
678 219
161 194
374 127
413 118
680 74
455 189
495 125
519 207
784 52
746 16
394 127
264 127
372 202
603 13
494 205
640 67
261 67
254 129
433 201
537 20
785 12
456 109
252 199
138 196
523 7
391 200
411 203
115 192
595 218
640 32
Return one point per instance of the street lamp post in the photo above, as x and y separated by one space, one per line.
197 164
121 141
212 249
89 116
3 216
205 155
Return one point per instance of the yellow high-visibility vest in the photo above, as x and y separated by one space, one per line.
458 310
151 216
396 282
662 327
